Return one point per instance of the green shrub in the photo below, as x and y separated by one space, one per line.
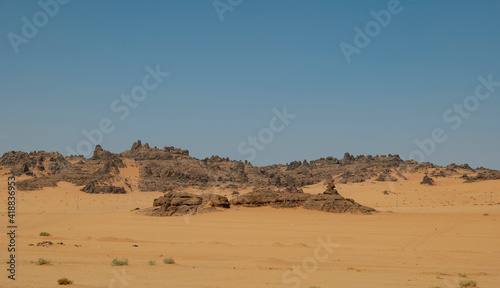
119 262
45 234
168 261
462 274
468 283
152 262
64 281
42 261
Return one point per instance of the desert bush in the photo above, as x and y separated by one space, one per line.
468 283
462 274
45 234
119 262
42 261
152 262
168 261
64 281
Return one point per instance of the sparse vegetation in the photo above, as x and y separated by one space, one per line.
168 261
152 262
468 283
486 214
462 274
42 261
64 281
45 234
119 262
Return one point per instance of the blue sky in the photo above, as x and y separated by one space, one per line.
226 77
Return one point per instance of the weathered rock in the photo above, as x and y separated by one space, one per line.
427 181
268 197
328 201
101 154
37 183
438 173
335 204
34 163
182 203
386 176
462 166
93 187
136 145
353 177
330 189
483 176
172 169
348 158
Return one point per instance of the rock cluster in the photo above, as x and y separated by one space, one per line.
140 151
427 181
172 169
386 176
182 203
34 163
483 176
329 201
94 187
272 198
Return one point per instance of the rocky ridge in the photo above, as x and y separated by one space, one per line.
173 170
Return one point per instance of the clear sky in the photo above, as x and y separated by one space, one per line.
229 70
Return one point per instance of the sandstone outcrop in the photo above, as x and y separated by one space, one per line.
427 181
329 201
94 187
182 203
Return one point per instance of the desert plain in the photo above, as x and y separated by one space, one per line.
429 236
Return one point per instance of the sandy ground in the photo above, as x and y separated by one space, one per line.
433 234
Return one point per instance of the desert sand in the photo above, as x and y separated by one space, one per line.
434 233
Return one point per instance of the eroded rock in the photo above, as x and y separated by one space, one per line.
182 203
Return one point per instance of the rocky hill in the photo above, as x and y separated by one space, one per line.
173 170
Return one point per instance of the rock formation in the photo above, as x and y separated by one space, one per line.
34 163
182 203
171 169
427 181
329 201
94 187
